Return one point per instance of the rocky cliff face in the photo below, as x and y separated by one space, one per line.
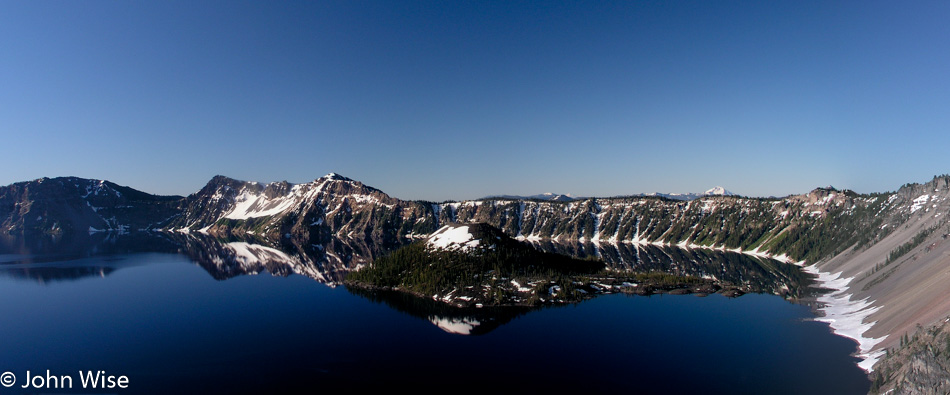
822 223
919 364
70 204
313 212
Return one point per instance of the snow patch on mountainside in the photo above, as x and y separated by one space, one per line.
919 203
847 316
249 205
453 238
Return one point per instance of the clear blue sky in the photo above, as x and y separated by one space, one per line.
453 100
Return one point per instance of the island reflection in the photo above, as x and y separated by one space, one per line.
76 257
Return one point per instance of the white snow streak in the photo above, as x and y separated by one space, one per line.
847 316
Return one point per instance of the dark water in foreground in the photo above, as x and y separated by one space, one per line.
169 326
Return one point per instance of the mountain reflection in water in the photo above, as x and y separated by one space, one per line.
47 260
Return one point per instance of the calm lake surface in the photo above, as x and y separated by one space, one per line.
170 321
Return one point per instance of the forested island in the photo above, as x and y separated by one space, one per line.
477 265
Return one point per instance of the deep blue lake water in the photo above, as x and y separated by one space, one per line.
161 320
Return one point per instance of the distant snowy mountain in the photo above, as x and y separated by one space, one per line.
717 191
720 191
548 196
556 197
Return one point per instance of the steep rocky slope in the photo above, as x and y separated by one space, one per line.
918 364
313 212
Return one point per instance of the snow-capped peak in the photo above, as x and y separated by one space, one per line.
335 176
718 191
